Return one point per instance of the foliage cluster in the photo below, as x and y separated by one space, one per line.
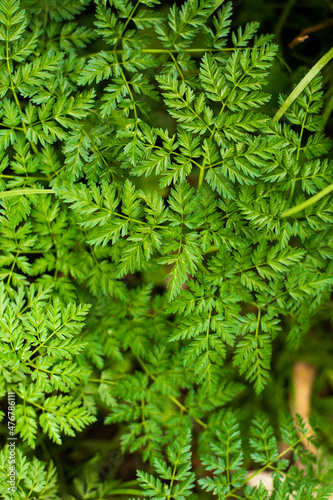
147 267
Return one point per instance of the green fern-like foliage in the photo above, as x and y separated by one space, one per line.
146 266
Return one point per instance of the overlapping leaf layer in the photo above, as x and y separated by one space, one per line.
146 266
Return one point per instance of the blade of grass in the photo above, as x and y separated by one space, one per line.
309 202
288 102
284 16
303 83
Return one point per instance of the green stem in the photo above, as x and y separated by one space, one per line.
328 109
284 16
130 17
172 480
268 465
174 51
201 176
309 202
16 99
102 381
287 103
213 248
18 177
165 51
45 22
183 408
127 492
217 4
19 192
303 83
202 268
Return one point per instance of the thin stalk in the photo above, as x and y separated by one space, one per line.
165 51
284 16
33 146
299 150
328 109
287 103
172 480
213 248
201 176
303 83
18 177
127 492
202 268
19 192
268 465
309 202
203 165
183 408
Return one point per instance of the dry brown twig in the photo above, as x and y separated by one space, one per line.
303 379
304 34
